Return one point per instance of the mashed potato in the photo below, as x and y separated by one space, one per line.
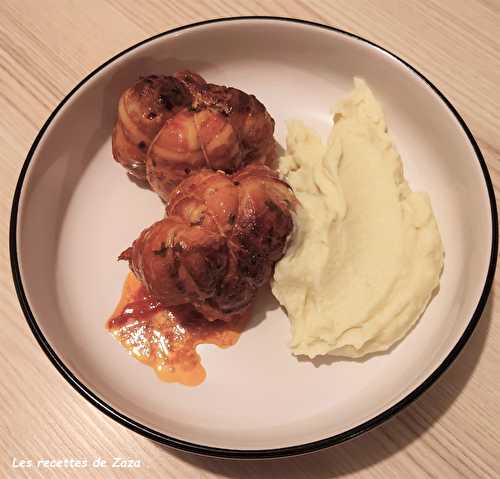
366 256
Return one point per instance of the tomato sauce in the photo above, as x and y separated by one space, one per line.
165 338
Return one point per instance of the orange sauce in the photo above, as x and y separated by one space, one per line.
165 338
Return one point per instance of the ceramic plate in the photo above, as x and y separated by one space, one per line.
74 210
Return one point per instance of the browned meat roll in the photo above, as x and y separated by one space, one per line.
170 126
219 242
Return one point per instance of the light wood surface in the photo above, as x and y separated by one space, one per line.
46 47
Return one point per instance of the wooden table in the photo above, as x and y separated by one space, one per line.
47 47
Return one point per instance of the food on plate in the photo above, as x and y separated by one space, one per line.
367 255
218 243
170 126
355 254
165 338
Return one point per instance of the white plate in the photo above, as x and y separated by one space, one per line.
74 210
